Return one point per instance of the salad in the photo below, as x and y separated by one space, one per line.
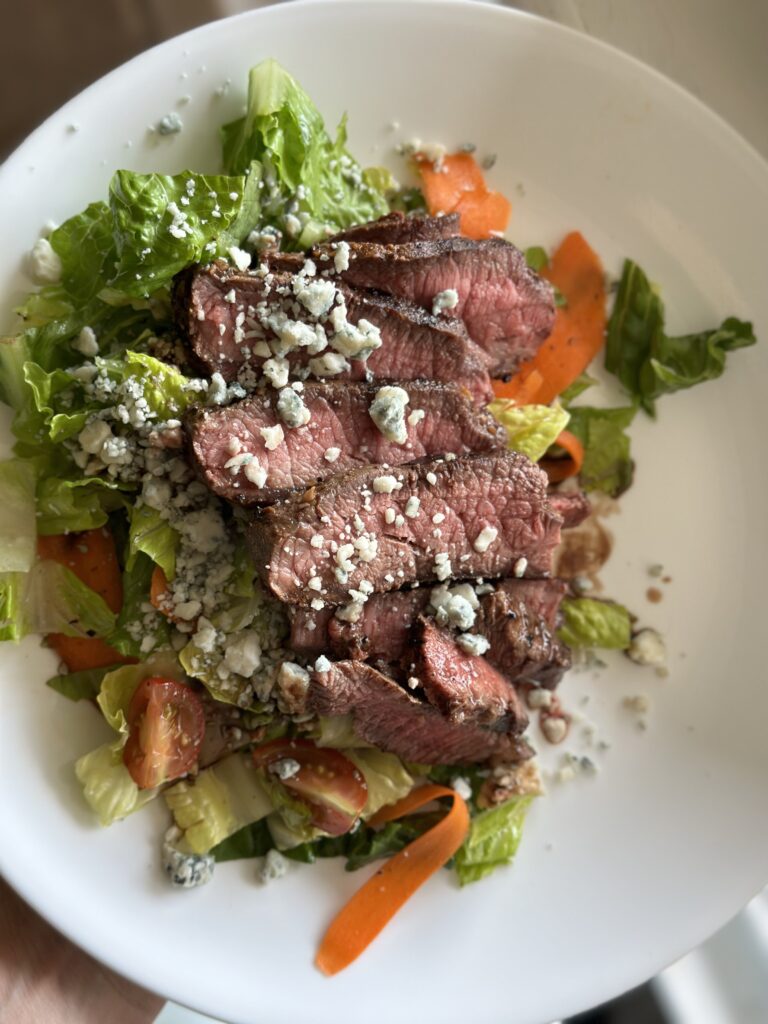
287 486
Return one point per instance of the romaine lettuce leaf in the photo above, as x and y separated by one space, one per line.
83 685
608 464
107 784
385 775
162 223
218 802
153 535
591 623
13 389
283 130
139 627
164 387
531 429
74 505
18 536
50 599
578 387
647 361
86 248
494 836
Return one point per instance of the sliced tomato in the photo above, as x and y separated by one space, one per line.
327 782
167 724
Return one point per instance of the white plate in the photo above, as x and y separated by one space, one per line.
617 875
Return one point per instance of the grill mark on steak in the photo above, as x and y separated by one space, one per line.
395 228
464 687
502 491
396 721
507 308
339 419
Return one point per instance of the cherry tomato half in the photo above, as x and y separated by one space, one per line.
327 782
167 725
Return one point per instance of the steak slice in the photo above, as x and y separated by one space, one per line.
519 619
415 345
395 228
465 687
519 622
507 308
573 506
382 633
479 515
220 440
396 721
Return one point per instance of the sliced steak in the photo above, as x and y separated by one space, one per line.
395 228
519 619
480 515
519 622
415 345
208 321
396 721
382 633
507 308
464 687
573 506
227 443
209 302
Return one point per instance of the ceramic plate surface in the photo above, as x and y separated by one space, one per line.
618 874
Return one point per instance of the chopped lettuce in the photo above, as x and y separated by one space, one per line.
83 685
85 245
17 516
537 258
591 623
139 627
386 778
73 505
284 132
50 599
13 354
578 387
494 836
220 801
153 535
164 387
162 223
608 464
108 787
531 429
647 361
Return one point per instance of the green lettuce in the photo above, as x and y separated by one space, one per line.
50 599
18 537
162 223
608 464
154 536
647 361
83 685
591 623
73 505
284 132
86 247
138 622
13 354
164 387
493 840
385 775
531 429
107 785
220 801
578 387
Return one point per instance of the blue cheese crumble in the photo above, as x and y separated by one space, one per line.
387 411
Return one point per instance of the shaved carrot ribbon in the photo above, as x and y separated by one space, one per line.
91 556
579 331
456 185
376 903
560 469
